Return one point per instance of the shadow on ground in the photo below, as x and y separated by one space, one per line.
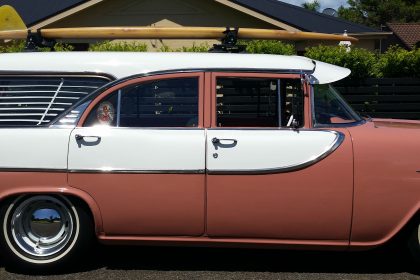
243 260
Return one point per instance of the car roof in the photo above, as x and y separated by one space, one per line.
125 64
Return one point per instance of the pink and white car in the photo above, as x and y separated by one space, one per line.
195 149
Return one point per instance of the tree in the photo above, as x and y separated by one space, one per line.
312 6
378 12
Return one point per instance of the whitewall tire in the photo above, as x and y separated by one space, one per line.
414 242
43 230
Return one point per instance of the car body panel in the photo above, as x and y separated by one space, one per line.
387 186
292 205
34 149
125 64
147 204
137 150
153 186
256 151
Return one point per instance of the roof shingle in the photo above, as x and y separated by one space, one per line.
303 19
408 33
34 11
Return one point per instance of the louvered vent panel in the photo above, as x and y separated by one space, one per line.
34 101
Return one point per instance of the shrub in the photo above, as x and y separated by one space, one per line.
202 48
120 46
397 62
268 47
19 46
360 61
13 46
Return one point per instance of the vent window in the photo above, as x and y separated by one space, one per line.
37 101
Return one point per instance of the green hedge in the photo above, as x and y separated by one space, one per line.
361 61
19 46
396 62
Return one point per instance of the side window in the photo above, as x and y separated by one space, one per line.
161 103
258 102
39 100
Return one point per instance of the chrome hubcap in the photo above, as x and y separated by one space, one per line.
41 226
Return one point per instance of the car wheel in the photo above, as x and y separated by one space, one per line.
43 230
414 242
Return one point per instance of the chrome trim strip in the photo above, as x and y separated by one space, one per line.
329 150
64 74
115 171
95 171
44 170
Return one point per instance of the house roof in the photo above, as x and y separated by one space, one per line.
408 33
292 15
304 19
31 15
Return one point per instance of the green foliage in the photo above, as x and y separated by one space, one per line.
202 48
397 62
19 46
121 46
312 6
268 47
360 61
12 47
165 48
378 12
61 47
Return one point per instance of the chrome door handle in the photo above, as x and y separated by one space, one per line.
82 137
217 141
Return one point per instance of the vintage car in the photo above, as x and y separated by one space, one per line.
211 149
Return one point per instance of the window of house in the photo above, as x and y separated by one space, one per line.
259 102
161 103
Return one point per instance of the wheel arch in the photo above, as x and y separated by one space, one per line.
71 193
397 232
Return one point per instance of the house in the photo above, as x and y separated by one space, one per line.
406 35
270 14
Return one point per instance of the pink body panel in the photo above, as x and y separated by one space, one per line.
147 204
19 183
387 186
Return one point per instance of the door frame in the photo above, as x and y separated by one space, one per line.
210 100
201 93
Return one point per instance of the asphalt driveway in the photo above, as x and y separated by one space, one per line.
201 263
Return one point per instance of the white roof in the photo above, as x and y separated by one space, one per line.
124 64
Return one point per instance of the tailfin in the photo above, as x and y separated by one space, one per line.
10 19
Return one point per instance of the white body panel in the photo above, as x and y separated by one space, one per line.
124 64
326 73
148 150
266 150
37 148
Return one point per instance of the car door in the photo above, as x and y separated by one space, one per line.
139 151
269 174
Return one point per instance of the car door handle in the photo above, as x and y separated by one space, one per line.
87 138
217 141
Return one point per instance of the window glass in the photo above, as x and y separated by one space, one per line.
258 102
330 108
162 103
39 101
105 112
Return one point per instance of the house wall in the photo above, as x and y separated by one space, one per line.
369 44
161 13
